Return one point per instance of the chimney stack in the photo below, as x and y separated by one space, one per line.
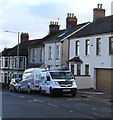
53 27
98 12
24 37
71 20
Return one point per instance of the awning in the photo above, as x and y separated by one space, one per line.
75 60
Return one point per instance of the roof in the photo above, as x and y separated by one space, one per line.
99 26
52 37
23 48
6 51
75 60
64 33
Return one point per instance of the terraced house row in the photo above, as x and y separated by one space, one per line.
86 49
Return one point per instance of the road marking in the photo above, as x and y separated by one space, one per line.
40 101
55 106
22 97
29 101
69 99
71 111
35 100
49 104
52 105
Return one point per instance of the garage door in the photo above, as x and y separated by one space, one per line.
104 79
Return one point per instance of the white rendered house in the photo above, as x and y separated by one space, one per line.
93 45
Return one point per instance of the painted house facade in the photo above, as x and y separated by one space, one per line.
57 47
11 64
36 54
91 52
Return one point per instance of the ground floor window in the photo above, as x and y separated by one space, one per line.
72 69
2 77
78 69
86 69
5 78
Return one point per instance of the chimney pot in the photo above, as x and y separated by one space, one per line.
67 14
98 5
56 23
73 15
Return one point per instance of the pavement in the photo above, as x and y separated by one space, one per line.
97 94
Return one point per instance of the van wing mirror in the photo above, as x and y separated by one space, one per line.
48 78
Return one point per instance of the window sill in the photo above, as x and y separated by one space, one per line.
87 55
57 59
98 55
50 59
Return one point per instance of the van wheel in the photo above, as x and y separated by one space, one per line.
10 89
28 90
73 94
19 90
51 92
15 89
41 93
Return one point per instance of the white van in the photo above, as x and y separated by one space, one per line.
57 82
30 80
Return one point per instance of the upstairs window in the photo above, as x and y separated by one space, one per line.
57 52
98 46
11 63
33 55
111 45
16 62
87 47
6 62
2 62
77 48
50 53
21 62
41 55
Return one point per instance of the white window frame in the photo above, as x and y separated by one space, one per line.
87 47
77 48
57 52
98 46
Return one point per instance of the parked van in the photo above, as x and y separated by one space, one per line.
57 82
30 80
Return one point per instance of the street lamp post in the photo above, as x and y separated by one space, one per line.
17 51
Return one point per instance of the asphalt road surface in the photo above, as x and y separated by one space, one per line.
22 105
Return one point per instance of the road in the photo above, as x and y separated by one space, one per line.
22 105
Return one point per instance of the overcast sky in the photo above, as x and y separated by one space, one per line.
34 16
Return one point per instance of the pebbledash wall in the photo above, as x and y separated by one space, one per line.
104 60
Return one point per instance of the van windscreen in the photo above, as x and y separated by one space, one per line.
61 75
